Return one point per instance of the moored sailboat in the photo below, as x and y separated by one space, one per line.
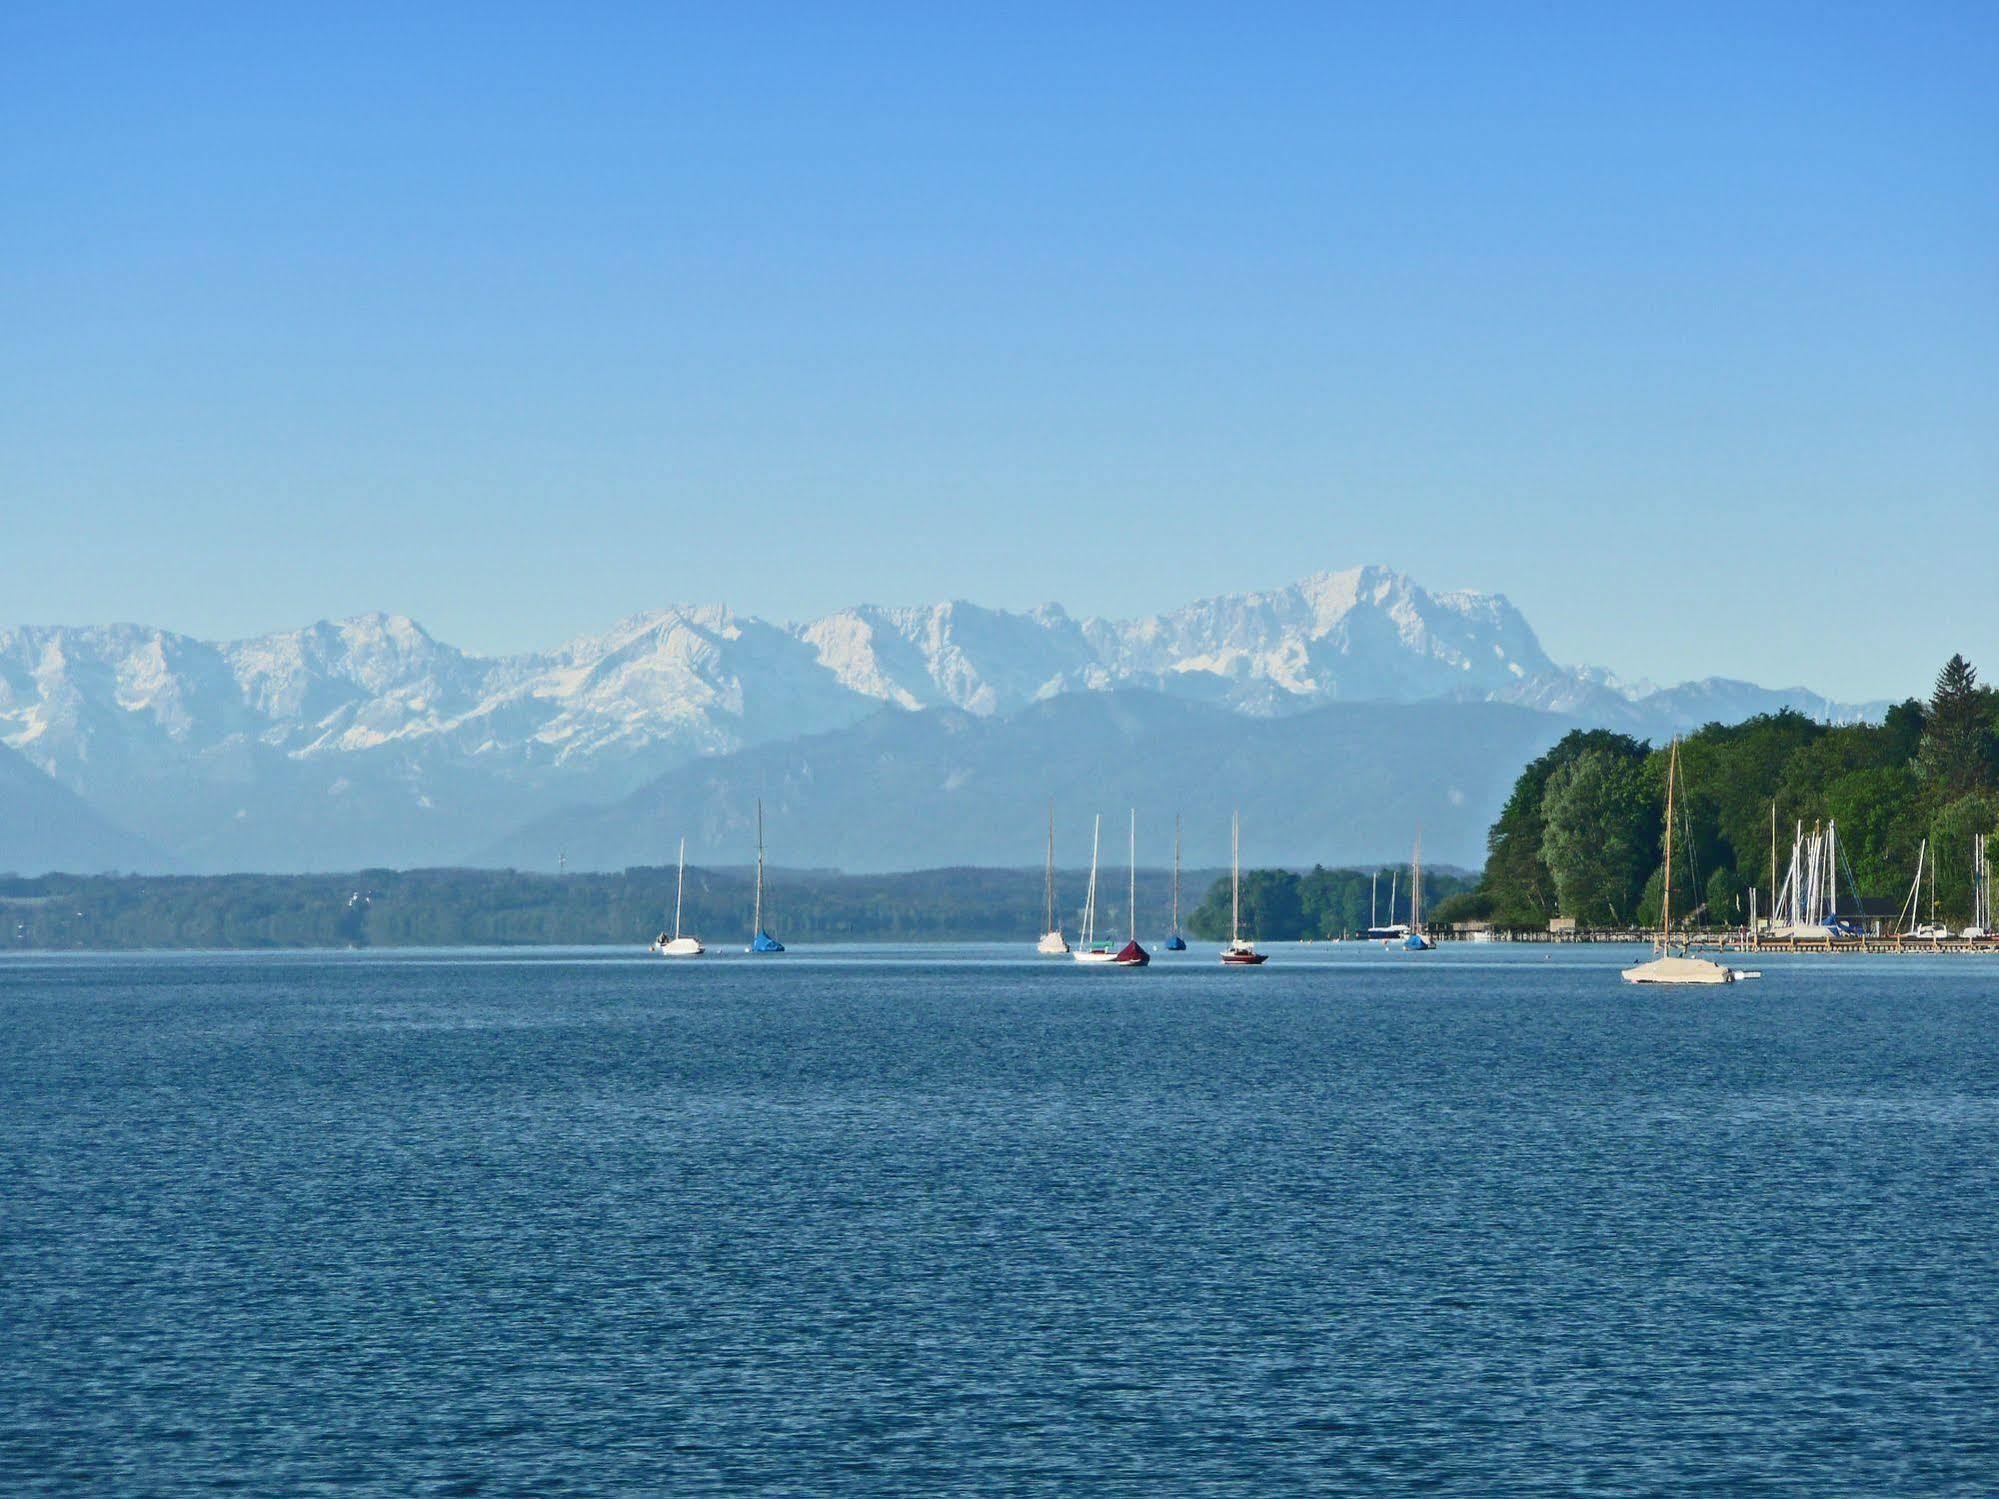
1088 949
1668 967
1238 954
1052 944
1131 955
1413 940
763 941
1175 942
677 946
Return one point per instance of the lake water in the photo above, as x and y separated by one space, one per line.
1481 1221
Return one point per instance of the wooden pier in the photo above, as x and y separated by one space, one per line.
1745 942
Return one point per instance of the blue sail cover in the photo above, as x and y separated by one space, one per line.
1173 944
1417 942
765 942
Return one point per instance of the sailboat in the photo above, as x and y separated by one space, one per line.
1052 944
1131 955
1666 968
1238 954
1414 940
1981 891
1910 922
1176 943
763 941
1391 932
677 946
1088 949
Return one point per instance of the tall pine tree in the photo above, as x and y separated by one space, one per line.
1956 757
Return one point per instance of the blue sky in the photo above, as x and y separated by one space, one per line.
1677 324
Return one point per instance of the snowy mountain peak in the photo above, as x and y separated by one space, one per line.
166 733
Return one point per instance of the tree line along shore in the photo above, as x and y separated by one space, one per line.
383 908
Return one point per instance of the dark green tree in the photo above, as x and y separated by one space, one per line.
1957 753
1602 834
1518 885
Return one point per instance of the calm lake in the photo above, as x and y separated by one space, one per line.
954 1218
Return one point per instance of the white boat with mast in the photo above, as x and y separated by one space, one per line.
1052 944
1981 890
1088 949
1667 967
1390 933
1910 923
1238 954
677 946
762 941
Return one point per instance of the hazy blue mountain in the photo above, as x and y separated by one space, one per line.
1337 784
45 826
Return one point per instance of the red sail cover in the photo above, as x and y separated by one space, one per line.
1132 955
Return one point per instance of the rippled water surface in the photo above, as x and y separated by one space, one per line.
1481 1221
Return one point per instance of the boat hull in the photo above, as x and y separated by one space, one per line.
764 942
1680 971
1244 959
679 947
1052 945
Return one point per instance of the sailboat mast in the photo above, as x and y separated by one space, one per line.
1176 873
1235 876
758 921
679 884
1131 897
1773 856
1666 883
1416 884
1090 901
1050 900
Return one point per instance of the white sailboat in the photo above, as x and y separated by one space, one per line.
1981 891
1683 968
1088 949
1238 954
1052 944
1391 932
1910 922
677 946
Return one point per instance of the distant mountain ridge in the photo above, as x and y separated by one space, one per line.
367 740
1338 783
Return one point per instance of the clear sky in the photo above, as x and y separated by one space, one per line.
1677 324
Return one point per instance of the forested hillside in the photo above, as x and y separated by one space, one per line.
1581 834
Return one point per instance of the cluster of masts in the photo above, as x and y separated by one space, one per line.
1806 907
1238 952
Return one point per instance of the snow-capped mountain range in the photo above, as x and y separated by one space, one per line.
368 741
